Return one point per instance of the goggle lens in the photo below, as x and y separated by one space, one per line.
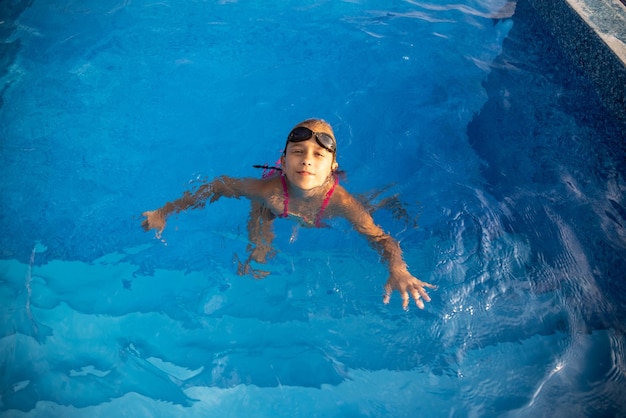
302 133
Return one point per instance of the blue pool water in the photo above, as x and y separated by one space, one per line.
469 112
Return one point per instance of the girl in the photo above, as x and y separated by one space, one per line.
306 190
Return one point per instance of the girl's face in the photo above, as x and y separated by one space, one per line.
306 164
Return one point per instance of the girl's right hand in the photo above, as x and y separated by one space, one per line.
154 220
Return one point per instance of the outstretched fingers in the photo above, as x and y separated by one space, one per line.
387 295
405 297
421 292
416 291
416 296
405 300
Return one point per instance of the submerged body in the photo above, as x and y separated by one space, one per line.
307 190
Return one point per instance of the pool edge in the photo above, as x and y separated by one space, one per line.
591 33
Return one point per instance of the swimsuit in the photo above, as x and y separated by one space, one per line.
304 221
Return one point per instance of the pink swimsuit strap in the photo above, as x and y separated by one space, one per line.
318 218
286 198
325 202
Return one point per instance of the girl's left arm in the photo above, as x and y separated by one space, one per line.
400 278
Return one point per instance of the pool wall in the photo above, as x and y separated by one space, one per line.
593 34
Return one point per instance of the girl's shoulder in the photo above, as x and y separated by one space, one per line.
270 186
343 201
253 188
341 193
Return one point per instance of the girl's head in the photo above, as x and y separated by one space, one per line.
314 129
309 157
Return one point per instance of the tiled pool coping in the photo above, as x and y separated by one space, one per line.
593 32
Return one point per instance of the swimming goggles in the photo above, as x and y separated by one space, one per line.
302 133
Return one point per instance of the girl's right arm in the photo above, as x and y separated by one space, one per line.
221 186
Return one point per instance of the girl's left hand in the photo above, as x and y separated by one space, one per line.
408 286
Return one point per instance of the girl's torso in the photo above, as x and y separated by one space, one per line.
308 211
